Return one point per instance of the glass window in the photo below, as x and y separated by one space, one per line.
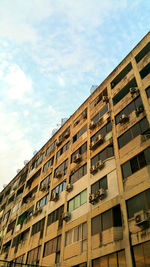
146 248
147 192
138 102
77 202
136 130
95 187
135 204
139 256
107 220
145 71
147 155
112 259
71 205
83 197
96 225
134 164
126 169
144 125
121 259
148 92
141 159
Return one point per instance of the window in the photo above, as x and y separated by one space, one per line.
35 176
46 181
82 149
78 174
106 220
77 201
121 75
136 163
52 246
100 113
55 215
102 183
139 128
11 227
25 215
37 162
98 99
38 227
145 71
50 148
62 168
6 216
103 131
79 133
148 92
80 118
33 256
20 191
23 177
20 259
48 164
63 149
19 238
104 154
116 259
11 199
138 203
142 53
59 188
124 91
141 254
130 108
76 234
42 202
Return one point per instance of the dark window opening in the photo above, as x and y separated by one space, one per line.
121 75
142 53
145 71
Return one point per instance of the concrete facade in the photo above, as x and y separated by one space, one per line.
97 167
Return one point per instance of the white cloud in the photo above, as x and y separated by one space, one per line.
15 147
18 83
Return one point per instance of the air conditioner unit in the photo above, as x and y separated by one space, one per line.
77 158
92 125
69 187
134 90
55 196
59 141
93 169
92 199
58 174
101 193
105 99
66 216
141 217
100 164
37 211
139 110
92 145
100 121
123 118
66 134
99 139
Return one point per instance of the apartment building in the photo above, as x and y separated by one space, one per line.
84 199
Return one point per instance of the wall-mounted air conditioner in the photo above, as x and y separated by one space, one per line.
69 187
55 196
77 158
134 90
66 216
58 174
141 217
105 99
92 199
92 125
100 164
123 118
93 169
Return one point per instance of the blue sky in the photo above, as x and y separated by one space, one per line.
51 53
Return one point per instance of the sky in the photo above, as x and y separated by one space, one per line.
51 53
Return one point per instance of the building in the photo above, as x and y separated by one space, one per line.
84 198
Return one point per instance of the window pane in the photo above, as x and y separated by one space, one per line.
136 130
138 255
147 192
144 125
146 247
135 204
95 187
71 205
130 108
96 225
126 169
138 102
83 197
103 183
107 220
104 261
77 201
121 259
134 164
112 259
147 155
141 159
127 137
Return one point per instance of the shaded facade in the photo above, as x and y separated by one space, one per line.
84 199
